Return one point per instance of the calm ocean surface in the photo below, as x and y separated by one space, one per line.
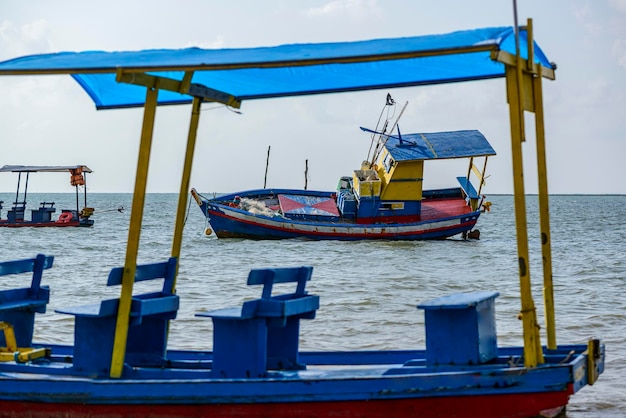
369 290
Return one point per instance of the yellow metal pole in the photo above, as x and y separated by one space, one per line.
544 212
184 184
130 265
544 215
532 344
482 176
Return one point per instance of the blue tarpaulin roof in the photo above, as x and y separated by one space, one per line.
439 145
287 70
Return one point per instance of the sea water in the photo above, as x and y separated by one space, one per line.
369 290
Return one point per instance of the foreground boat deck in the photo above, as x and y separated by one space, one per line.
183 367
433 209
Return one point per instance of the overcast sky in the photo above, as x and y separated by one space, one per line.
49 120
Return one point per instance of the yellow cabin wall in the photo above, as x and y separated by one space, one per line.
404 180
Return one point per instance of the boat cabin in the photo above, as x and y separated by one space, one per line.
391 188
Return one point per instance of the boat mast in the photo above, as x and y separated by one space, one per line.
381 143
267 163
306 173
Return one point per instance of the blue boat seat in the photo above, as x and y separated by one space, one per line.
94 329
460 329
16 213
43 213
468 187
262 334
470 191
18 306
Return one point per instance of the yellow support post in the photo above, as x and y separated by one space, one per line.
533 354
184 184
9 336
482 176
469 169
136 216
544 213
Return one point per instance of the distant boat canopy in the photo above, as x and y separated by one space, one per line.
233 75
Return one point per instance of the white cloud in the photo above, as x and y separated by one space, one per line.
619 51
619 5
217 43
29 38
357 9
587 18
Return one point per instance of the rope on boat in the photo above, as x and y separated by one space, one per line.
387 103
207 231
119 209
187 214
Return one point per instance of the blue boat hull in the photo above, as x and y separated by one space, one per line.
232 222
384 383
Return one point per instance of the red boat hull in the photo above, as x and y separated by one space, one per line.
486 406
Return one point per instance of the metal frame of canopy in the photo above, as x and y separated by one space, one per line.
524 93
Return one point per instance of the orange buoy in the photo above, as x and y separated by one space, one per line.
65 217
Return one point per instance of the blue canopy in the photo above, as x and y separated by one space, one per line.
439 145
286 70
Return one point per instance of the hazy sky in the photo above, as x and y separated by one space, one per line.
49 120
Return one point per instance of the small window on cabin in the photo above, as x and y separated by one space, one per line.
388 163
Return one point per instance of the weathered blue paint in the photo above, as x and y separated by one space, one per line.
18 306
438 145
94 329
469 320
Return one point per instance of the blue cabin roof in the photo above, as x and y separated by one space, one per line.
439 145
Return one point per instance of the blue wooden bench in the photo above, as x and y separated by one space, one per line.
94 328
16 213
43 213
263 333
469 191
468 188
18 306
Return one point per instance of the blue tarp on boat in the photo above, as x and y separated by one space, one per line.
287 70
439 145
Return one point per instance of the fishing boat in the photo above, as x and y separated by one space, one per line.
384 199
119 363
42 216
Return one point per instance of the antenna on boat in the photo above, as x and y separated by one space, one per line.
389 101
267 163
306 173
381 142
